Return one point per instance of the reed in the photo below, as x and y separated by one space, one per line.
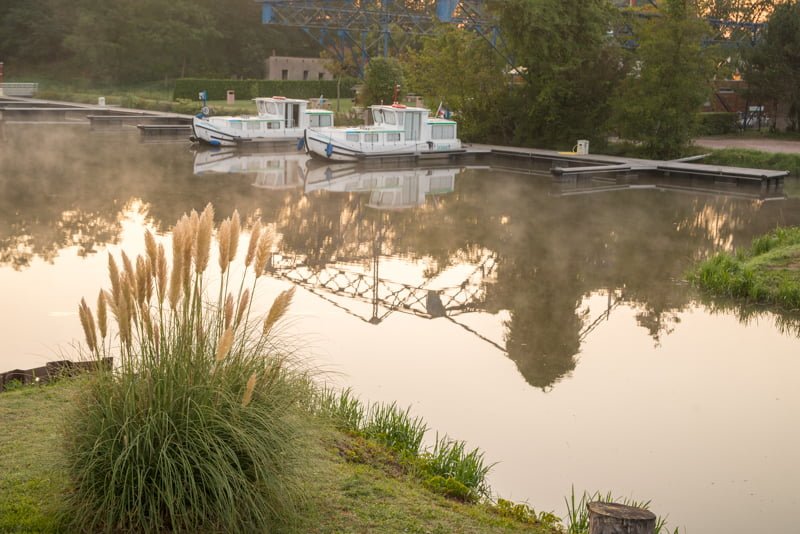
200 426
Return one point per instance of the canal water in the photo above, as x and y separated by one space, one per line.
547 323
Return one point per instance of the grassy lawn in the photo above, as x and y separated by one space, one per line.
354 484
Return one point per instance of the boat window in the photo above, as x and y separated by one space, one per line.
352 137
262 108
273 125
443 131
392 137
253 125
319 120
392 181
390 117
371 137
272 108
236 125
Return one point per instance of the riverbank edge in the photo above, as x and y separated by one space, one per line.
768 272
357 485
129 98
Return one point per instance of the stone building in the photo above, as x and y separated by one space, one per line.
296 68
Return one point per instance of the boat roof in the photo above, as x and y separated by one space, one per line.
279 99
398 107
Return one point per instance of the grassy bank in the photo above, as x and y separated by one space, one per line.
157 96
755 159
768 272
356 484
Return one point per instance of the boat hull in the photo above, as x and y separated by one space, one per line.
205 131
329 148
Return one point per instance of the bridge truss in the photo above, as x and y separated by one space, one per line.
354 30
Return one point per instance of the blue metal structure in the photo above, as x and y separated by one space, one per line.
358 29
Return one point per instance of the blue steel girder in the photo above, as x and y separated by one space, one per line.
371 26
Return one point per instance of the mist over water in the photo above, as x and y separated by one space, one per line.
552 329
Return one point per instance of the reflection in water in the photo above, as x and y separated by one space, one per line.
389 188
538 248
578 295
271 170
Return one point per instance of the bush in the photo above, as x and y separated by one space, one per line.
717 123
189 88
198 428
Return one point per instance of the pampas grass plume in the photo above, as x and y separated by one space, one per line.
248 392
236 230
278 309
255 233
102 314
224 242
224 344
263 252
203 246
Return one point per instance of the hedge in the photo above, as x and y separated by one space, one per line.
189 88
718 123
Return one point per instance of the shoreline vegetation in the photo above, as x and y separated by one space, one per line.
210 421
766 273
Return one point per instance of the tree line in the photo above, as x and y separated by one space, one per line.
583 69
123 41
563 70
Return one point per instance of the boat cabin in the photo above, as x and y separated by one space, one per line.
413 122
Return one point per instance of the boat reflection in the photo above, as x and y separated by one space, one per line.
271 170
388 187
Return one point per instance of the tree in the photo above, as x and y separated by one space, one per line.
772 67
569 63
460 69
658 101
382 77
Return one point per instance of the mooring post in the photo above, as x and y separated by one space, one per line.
613 518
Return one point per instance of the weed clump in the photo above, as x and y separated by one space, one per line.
198 427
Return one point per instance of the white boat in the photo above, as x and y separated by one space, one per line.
279 119
398 131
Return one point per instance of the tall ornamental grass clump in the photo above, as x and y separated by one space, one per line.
199 426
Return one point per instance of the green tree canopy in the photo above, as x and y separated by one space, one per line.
569 63
381 78
657 103
460 69
773 66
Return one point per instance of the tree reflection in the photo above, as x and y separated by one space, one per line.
554 251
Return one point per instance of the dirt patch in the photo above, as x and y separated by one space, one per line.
764 145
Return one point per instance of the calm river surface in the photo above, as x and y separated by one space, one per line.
572 352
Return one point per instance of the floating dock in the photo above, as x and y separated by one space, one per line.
563 166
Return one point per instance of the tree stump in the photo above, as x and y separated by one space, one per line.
612 518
